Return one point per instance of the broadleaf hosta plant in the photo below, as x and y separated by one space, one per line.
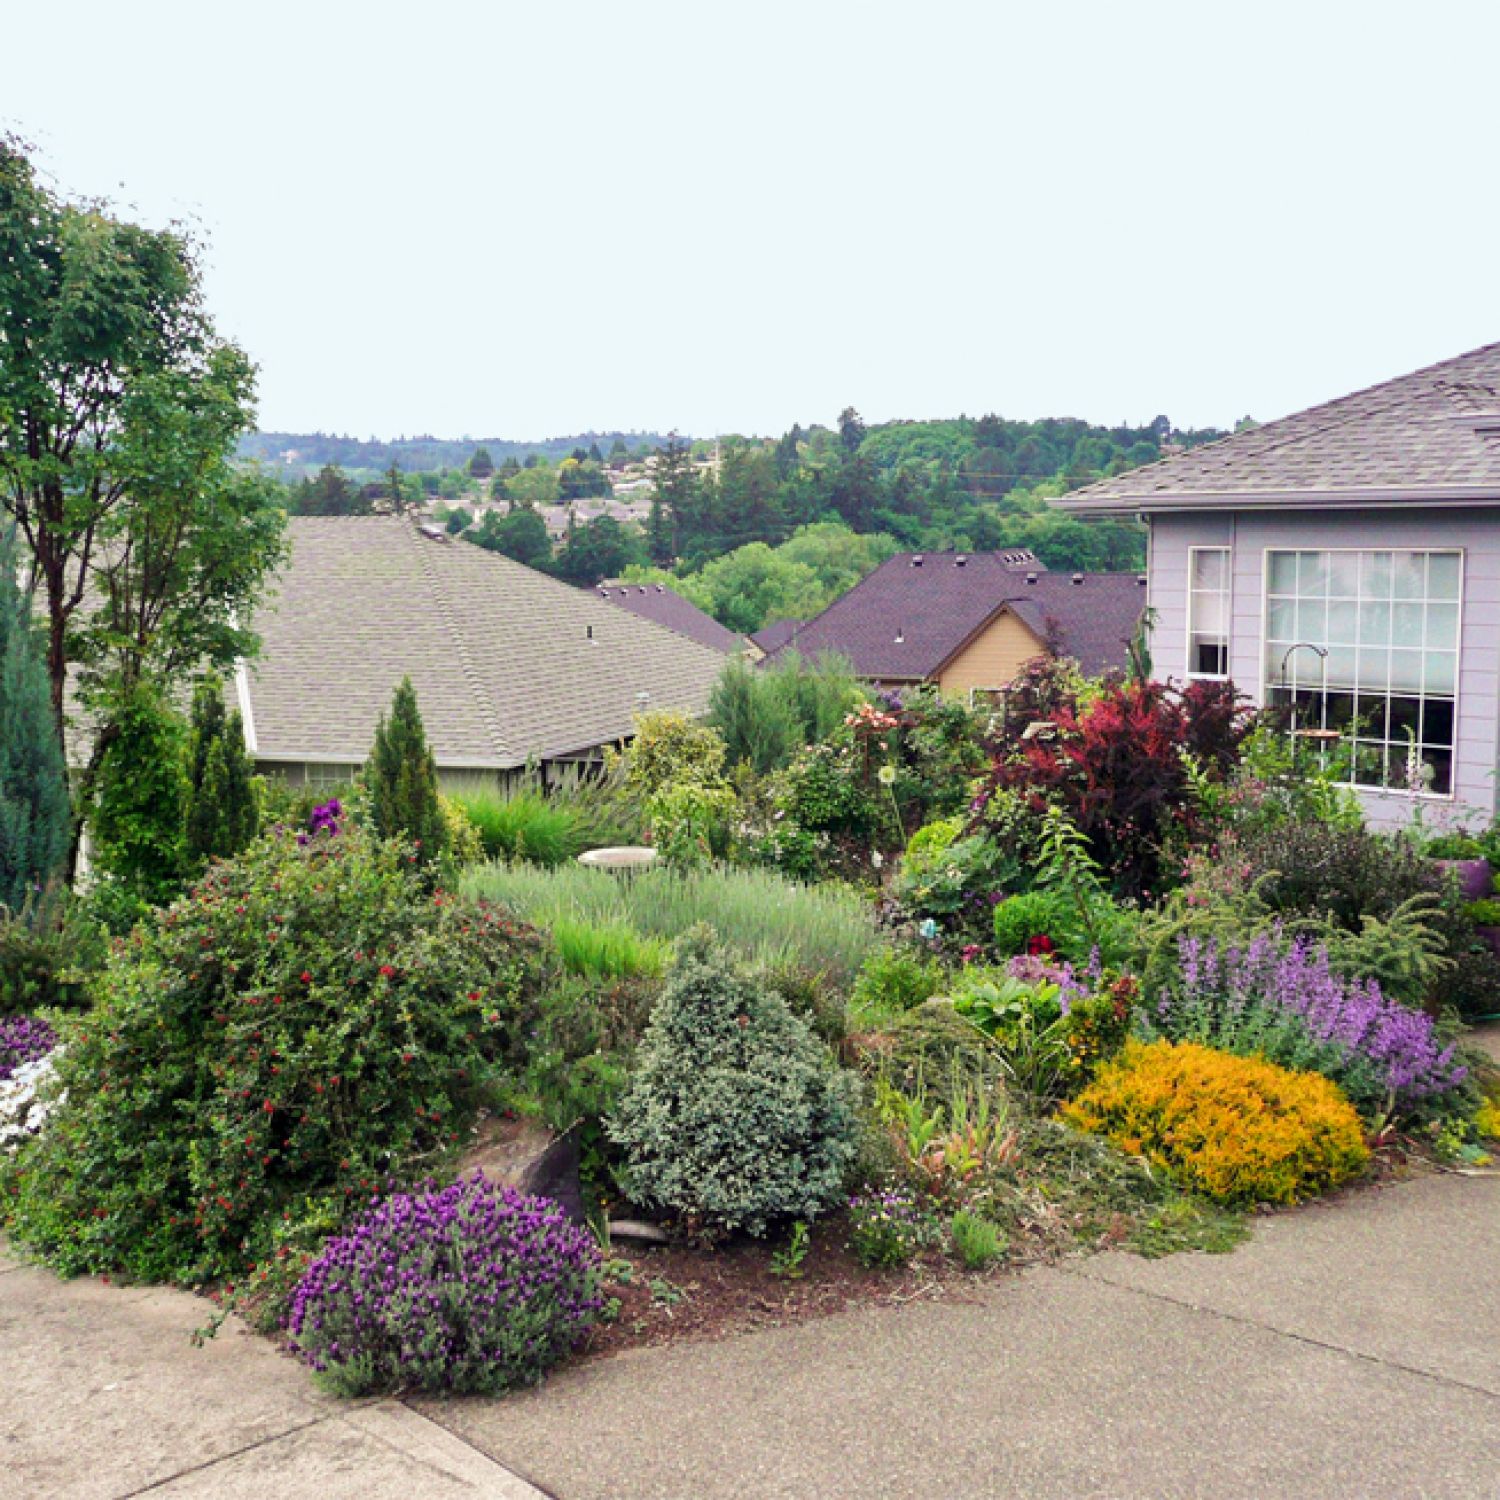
469 1288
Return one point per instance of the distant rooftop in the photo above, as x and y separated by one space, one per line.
664 606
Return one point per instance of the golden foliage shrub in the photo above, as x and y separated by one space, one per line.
1236 1129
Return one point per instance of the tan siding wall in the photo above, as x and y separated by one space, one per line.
992 658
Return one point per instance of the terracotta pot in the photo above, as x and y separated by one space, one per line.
1475 878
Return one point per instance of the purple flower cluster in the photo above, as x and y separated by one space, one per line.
1283 999
470 1287
888 1228
1036 969
23 1039
324 819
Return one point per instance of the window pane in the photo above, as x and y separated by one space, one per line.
1406 671
1374 624
1439 765
1281 619
1374 669
1442 672
1283 577
1442 575
1409 575
1210 567
1343 574
1312 620
1405 722
1370 716
1340 667
1437 722
1343 622
1375 575
1442 626
1312 573
1406 625
1210 613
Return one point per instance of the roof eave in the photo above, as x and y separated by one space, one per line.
1352 498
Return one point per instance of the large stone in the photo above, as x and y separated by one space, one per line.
522 1153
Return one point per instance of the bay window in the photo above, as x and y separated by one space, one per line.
1365 644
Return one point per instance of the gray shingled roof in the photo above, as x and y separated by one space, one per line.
507 663
655 601
1429 437
774 636
915 611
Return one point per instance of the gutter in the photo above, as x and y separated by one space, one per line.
1376 496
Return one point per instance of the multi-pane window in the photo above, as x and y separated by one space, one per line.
1208 612
1365 643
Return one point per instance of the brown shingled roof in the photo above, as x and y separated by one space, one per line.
910 616
1433 436
655 601
508 663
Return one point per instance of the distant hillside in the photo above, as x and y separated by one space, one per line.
305 452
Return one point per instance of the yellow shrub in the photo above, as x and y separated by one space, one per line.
465 847
1237 1129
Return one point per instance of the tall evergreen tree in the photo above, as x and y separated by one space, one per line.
34 812
401 779
221 816
481 466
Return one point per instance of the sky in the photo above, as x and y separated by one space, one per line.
524 220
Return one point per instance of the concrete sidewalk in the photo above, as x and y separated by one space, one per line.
1352 1349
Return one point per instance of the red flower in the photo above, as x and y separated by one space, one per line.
306 977
1040 946
387 972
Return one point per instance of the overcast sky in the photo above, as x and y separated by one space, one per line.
522 220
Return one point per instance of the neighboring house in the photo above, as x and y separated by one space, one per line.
774 636
1346 558
656 602
968 622
510 666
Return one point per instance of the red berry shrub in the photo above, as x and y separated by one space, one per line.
295 1031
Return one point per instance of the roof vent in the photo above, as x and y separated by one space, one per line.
433 533
661 588
1141 580
900 637
961 560
1078 578
644 589
588 632
1031 578
917 560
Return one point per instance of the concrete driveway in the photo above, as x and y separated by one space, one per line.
1351 1349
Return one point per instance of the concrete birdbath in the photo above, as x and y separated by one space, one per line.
624 859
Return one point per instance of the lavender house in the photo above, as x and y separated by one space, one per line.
1346 559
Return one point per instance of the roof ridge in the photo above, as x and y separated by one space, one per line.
454 622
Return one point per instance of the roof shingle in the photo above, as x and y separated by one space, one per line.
655 601
508 663
1433 434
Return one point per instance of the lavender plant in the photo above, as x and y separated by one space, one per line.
1282 1000
468 1288
23 1039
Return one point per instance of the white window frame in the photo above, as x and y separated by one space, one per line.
1227 595
1263 697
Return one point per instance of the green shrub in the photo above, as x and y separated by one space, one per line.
889 1228
49 950
1043 920
668 749
1237 1129
925 848
401 780
136 823
765 715
35 813
895 979
221 814
465 847
291 1034
826 932
690 823
1484 913
932 1053
524 825
735 1117
976 1241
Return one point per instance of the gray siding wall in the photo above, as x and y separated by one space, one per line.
1252 533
